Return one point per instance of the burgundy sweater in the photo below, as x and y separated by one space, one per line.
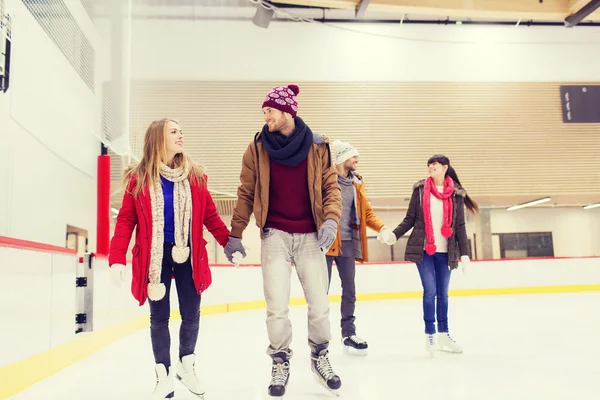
289 202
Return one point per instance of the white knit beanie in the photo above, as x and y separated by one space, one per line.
342 151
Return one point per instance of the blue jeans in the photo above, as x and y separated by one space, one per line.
435 277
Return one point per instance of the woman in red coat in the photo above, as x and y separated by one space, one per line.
167 200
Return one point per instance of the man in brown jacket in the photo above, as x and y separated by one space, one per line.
351 241
289 183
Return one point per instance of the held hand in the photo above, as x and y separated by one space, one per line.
235 248
236 258
386 236
327 234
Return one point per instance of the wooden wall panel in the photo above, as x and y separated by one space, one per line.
506 140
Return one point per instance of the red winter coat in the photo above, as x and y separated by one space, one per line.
138 212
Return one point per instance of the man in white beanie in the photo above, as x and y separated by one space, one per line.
351 241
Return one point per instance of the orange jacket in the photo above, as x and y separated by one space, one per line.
367 218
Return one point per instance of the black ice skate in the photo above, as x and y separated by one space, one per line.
353 345
324 374
280 373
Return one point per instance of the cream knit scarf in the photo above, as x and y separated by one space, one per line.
182 207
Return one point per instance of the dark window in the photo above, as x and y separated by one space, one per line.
523 245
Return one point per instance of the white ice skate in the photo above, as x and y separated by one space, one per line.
430 343
355 346
186 373
164 383
445 341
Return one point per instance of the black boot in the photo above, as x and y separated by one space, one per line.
355 346
280 373
323 371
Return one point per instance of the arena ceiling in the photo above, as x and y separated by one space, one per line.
568 13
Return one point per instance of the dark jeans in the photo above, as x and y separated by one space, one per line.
189 308
346 267
435 277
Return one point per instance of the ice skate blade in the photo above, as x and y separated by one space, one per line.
335 392
200 395
451 351
351 351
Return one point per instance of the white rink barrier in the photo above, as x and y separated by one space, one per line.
39 299
233 285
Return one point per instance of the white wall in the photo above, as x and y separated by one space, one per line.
37 302
245 283
251 239
49 119
5 164
595 213
575 231
294 52
113 304
227 50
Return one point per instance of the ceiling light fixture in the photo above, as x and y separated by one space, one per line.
529 204
590 206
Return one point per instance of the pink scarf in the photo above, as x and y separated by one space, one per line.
446 197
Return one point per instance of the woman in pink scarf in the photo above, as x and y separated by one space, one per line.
437 243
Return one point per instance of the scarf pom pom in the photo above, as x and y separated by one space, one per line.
446 231
180 254
430 249
156 291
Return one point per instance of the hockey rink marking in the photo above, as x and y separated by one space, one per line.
25 373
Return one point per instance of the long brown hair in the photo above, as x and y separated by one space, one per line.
147 172
469 202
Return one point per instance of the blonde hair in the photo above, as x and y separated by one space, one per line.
147 172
